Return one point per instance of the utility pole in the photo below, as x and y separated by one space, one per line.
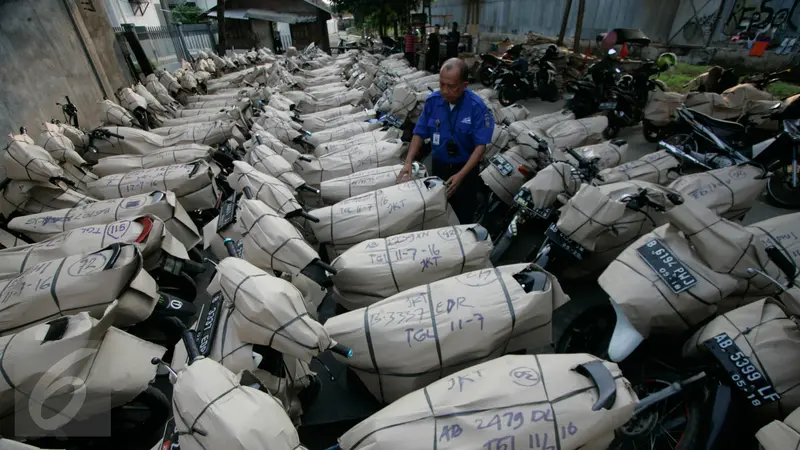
221 22
576 46
564 22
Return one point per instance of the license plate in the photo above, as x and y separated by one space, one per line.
544 213
567 244
569 96
226 212
523 198
502 165
666 266
608 105
208 324
742 372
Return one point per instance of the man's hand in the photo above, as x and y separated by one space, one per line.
453 183
404 175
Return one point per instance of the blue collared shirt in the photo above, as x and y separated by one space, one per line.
469 124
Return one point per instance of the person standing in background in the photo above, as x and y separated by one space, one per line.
459 125
410 46
453 38
432 58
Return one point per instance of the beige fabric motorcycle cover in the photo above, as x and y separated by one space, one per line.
658 167
730 191
85 361
727 247
539 123
379 268
169 82
317 125
327 90
153 105
331 113
270 311
402 344
555 179
648 302
266 160
202 132
189 113
342 188
58 145
179 154
608 154
69 285
269 241
270 140
193 184
342 132
162 205
130 100
597 218
209 397
661 106
370 137
769 338
570 133
30 197
416 205
25 161
511 114
214 116
500 140
159 91
146 232
279 101
350 97
226 348
78 137
505 187
540 396
140 142
80 177
729 105
362 157
778 435
270 190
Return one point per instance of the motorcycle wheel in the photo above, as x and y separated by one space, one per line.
140 423
779 189
651 132
611 132
485 76
508 94
674 424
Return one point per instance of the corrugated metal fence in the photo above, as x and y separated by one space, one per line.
654 17
164 47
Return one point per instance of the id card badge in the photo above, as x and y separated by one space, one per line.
435 139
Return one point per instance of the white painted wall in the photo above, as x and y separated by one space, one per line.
120 11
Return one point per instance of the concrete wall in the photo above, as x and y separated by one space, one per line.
44 59
654 17
263 32
105 42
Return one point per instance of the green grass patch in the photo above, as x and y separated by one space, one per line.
683 73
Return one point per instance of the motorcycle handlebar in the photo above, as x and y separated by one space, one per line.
248 192
304 158
230 246
190 343
325 266
308 188
575 155
342 350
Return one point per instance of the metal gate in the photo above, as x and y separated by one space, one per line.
286 34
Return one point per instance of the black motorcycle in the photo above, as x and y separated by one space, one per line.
517 83
594 92
629 97
490 64
713 143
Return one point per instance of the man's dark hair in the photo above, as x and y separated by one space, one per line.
455 24
457 64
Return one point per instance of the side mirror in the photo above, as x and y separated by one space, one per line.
776 106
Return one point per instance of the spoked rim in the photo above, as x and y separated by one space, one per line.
661 427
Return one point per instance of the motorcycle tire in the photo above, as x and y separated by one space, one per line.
146 433
779 192
676 423
651 132
485 76
508 94
611 132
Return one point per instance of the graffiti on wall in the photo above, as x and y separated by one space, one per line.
762 14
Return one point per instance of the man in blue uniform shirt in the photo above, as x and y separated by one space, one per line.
459 126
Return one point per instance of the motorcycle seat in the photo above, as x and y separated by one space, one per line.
725 126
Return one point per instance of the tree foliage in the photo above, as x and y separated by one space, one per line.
377 13
187 14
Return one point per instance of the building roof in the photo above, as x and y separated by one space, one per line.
288 11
